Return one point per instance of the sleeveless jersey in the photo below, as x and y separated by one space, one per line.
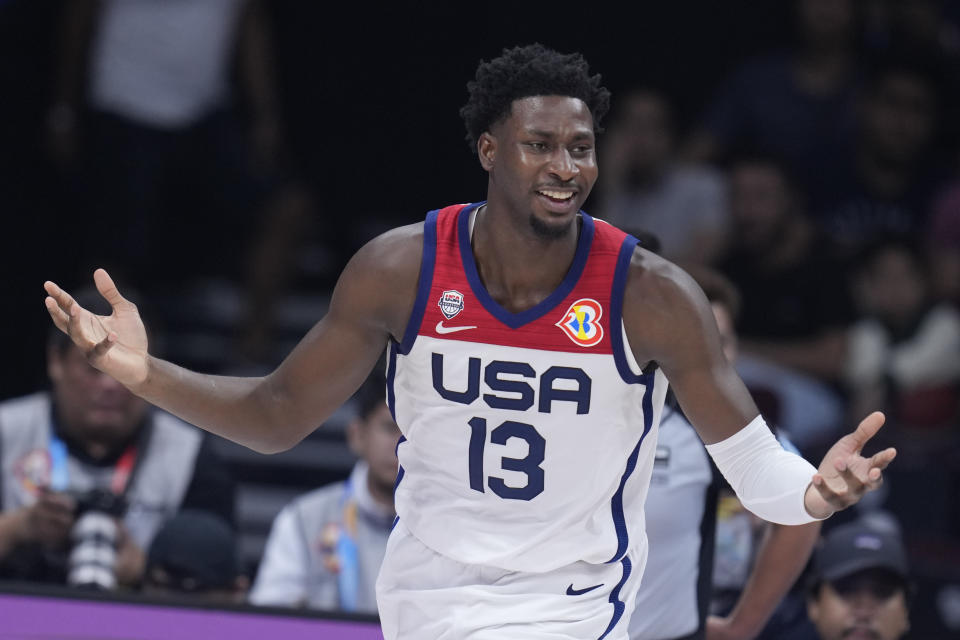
528 438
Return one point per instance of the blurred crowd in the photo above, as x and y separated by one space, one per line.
822 180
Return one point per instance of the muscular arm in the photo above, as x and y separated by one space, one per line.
371 302
669 321
782 556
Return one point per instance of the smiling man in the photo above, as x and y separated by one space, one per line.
529 352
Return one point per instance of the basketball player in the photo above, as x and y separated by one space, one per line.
529 352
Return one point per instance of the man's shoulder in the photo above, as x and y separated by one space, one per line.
319 502
25 409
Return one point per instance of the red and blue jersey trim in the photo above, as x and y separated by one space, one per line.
579 316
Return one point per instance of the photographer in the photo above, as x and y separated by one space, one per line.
89 472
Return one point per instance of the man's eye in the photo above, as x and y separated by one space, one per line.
537 146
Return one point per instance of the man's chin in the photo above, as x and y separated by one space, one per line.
860 633
550 229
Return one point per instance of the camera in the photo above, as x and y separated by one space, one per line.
93 554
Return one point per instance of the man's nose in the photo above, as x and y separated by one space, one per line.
562 165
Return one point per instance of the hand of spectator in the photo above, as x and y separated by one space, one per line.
722 629
49 520
115 344
131 559
844 475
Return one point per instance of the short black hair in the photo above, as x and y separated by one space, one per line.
522 72
372 393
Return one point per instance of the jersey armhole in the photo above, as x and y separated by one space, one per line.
424 282
627 365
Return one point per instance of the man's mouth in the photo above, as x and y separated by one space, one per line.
556 196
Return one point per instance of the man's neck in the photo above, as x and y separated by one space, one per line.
518 267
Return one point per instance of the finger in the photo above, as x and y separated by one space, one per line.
868 428
102 347
881 460
60 319
63 299
108 289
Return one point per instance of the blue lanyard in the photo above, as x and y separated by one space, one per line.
59 473
348 579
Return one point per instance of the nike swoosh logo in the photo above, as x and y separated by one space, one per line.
579 592
442 329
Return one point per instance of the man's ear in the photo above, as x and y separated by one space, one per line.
54 363
487 150
355 436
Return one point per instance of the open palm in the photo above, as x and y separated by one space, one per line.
115 344
844 474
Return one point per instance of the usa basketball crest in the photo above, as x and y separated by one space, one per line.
581 322
451 303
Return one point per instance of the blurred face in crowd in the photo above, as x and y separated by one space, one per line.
760 201
374 438
824 22
898 117
893 287
645 125
728 337
91 406
868 605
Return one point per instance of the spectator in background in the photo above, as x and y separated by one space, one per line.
326 547
796 306
644 187
796 104
682 526
144 97
904 352
195 554
888 183
90 446
859 586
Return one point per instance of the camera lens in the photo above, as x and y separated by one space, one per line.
94 552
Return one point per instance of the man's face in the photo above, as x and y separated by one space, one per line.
92 405
759 203
541 161
646 124
899 118
374 438
868 605
728 335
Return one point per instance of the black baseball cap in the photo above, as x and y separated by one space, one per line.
855 547
197 549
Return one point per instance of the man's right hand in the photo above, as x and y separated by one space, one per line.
49 520
114 344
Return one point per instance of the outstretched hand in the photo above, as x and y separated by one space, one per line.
115 344
844 475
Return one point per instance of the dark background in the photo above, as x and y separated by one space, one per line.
370 97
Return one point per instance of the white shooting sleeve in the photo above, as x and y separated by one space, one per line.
769 481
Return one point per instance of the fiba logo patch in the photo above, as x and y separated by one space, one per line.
581 322
451 303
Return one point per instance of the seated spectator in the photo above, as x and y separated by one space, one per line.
859 586
796 306
326 547
889 181
644 187
682 528
796 103
904 352
195 553
90 470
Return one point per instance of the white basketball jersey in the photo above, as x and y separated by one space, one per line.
529 438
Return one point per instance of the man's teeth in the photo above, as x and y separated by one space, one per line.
558 195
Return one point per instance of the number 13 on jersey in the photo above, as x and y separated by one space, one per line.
528 465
